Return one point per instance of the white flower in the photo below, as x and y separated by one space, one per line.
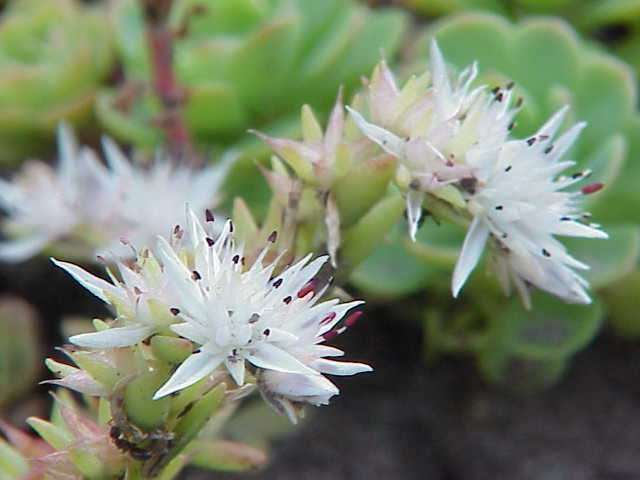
139 297
430 126
241 314
44 205
519 201
88 206
151 200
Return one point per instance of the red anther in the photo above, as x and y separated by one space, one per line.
208 215
352 319
328 318
591 188
304 291
174 311
195 275
330 334
176 230
210 241
272 237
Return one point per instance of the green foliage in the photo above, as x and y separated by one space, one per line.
615 23
53 56
527 350
247 63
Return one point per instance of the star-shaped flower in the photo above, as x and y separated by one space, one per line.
85 206
430 125
520 202
241 314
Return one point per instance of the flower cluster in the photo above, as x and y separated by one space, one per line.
453 142
87 206
200 286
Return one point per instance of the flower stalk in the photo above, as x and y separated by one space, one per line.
160 43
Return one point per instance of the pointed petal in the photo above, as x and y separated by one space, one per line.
191 331
552 125
236 369
470 255
414 211
391 143
565 142
440 76
67 149
340 368
194 368
115 158
95 285
335 126
297 386
113 337
270 357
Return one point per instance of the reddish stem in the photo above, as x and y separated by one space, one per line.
160 42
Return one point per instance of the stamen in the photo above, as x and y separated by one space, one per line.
272 237
174 311
208 214
352 319
195 275
328 318
591 188
277 283
304 291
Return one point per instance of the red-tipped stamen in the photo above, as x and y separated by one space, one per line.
352 319
328 318
307 289
591 188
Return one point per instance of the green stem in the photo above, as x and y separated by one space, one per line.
443 210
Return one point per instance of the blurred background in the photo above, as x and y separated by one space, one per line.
476 389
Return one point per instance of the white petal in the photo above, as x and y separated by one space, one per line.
566 141
113 337
298 386
552 125
236 369
439 71
340 368
270 357
390 142
67 152
191 331
95 285
180 279
414 211
116 159
194 368
470 255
